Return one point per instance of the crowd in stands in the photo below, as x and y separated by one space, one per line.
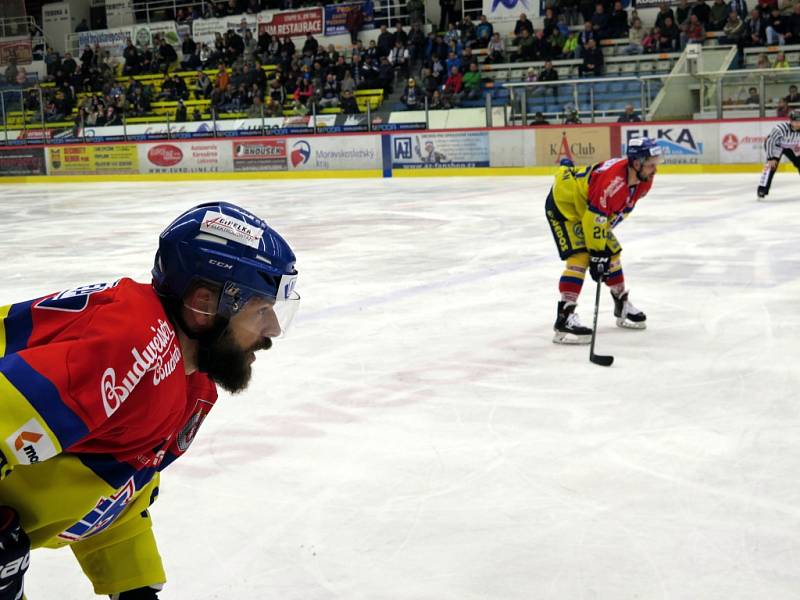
258 74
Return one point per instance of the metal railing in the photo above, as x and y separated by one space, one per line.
522 91
16 26
729 90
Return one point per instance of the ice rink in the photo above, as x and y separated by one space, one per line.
419 436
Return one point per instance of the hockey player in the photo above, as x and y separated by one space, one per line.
783 140
582 208
103 386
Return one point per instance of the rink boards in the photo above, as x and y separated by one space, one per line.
716 146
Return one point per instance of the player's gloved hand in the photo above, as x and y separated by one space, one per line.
142 593
599 262
15 554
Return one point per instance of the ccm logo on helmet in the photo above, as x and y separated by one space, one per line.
219 263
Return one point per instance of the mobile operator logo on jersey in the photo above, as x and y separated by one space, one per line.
31 444
301 152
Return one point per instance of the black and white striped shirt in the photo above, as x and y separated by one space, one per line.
782 137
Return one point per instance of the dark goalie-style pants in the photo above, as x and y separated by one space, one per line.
768 173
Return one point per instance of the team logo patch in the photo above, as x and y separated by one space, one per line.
577 229
102 515
31 443
189 431
74 300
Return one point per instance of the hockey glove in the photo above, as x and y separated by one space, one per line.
599 264
142 593
15 554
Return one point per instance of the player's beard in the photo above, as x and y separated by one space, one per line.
228 364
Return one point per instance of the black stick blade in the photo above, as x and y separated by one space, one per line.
602 360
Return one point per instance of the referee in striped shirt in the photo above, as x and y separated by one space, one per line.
783 140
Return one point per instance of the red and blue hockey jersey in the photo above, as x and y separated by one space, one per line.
94 403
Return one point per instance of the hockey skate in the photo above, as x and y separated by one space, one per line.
628 316
762 192
568 328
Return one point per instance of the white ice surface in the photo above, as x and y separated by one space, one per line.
419 436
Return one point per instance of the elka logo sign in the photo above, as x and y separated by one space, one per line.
231 228
161 356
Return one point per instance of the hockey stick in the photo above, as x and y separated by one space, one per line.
598 359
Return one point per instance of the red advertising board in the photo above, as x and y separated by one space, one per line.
293 23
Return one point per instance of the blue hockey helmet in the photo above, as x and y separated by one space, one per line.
224 245
642 148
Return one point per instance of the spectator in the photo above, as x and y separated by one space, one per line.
794 96
586 8
330 92
82 26
651 41
600 22
483 32
794 24
412 96
256 109
354 21
780 61
68 65
468 36
682 13
273 109
180 113
753 97
385 41
733 31
452 33
571 48
592 61
223 78
782 110
191 62
702 11
189 46
522 23
400 34
311 45
472 82
538 119
629 116
635 37
416 11
202 86
740 8
438 101
618 21
385 75
664 11
11 71
399 59
496 50
416 43
349 104
556 42
447 13
777 28
571 115
695 32
586 35
755 30
669 40
453 87
569 9
166 56
548 73
718 15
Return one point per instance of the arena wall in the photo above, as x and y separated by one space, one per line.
688 147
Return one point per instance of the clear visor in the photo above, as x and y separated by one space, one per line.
264 315
253 311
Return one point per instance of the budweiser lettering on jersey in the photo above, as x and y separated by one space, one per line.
161 355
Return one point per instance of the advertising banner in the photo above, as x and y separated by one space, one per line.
497 11
17 49
437 150
741 142
115 159
198 156
581 145
336 17
681 143
347 153
57 24
292 23
261 155
115 39
203 30
20 161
